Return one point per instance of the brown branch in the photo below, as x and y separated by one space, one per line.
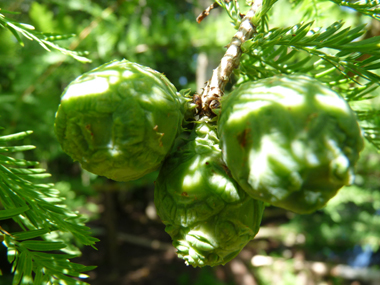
207 11
214 88
145 242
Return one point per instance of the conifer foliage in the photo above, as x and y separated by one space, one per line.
343 58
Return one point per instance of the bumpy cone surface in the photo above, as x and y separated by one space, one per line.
119 120
209 217
289 141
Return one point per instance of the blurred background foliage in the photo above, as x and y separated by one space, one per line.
336 245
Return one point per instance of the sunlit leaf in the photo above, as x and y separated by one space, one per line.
6 214
42 245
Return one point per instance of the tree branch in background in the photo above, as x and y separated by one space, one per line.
320 268
46 40
201 77
83 34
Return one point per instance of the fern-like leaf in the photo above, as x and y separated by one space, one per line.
369 7
39 211
46 40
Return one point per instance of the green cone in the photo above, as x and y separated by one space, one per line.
209 217
289 141
119 120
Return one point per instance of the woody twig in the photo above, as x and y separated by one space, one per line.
206 12
214 89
